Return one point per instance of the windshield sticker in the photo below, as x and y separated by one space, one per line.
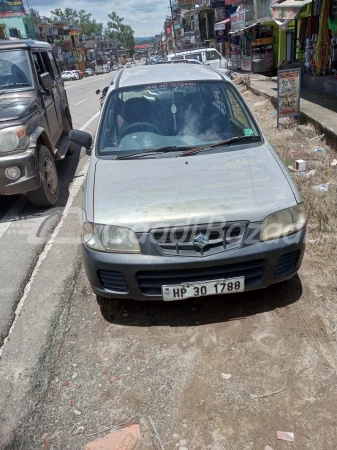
248 132
170 85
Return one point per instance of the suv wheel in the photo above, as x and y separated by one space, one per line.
48 192
66 131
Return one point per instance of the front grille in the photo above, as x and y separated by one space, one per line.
180 241
286 264
112 281
150 282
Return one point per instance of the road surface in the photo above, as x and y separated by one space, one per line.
24 229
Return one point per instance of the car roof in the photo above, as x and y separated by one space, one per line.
167 73
23 43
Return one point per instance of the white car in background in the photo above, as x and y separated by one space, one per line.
76 75
128 65
68 76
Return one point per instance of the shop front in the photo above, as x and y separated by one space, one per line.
254 47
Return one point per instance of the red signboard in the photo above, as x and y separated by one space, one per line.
11 8
186 2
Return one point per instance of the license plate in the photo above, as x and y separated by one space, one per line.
216 287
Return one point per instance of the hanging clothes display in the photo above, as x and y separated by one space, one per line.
322 53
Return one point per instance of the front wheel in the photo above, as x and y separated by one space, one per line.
48 192
110 307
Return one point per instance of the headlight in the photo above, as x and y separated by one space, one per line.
14 138
109 238
283 223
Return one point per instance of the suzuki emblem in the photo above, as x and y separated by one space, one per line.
201 240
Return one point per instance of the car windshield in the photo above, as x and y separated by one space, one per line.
15 71
178 115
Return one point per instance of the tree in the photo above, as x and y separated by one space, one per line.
80 18
116 29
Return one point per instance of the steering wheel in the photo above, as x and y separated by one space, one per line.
136 126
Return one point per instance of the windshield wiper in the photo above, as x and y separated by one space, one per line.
230 141
14 85
172 148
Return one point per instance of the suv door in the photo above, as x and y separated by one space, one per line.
48 101
47 56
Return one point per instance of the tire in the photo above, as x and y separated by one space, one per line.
110 307
66 130
48 192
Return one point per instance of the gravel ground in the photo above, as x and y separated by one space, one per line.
218 374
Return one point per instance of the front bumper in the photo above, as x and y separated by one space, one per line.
29 179
139 276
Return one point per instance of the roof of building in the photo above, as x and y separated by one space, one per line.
167 73
23 43
140 46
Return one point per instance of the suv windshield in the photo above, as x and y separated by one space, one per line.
15 71
182 114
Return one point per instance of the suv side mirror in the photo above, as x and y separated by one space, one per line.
82 138
46 81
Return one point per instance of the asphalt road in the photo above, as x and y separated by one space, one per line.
25 229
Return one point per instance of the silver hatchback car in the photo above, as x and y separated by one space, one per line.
184 196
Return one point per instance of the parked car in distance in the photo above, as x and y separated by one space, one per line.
128 65
89 72
105 69
35 121
120 66
114 68
80 73
76 75
68 75
185 197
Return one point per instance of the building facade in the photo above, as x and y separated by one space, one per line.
257 35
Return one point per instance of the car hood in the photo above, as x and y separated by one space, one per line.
227 186
16 108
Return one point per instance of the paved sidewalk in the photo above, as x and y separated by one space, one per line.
317 108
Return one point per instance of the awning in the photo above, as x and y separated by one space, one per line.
288 9
221 25
242 29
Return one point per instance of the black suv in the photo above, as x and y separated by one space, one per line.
35 121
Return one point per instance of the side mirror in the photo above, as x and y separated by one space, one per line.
105 90
46 81
98 91
81 138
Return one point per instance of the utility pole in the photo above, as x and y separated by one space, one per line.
174 31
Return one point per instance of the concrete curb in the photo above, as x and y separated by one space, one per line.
330 134
33 345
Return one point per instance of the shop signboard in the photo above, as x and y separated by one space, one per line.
216 4
186 3
246 64
220 14
221 25
232 2
288 94
12 8
238 19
